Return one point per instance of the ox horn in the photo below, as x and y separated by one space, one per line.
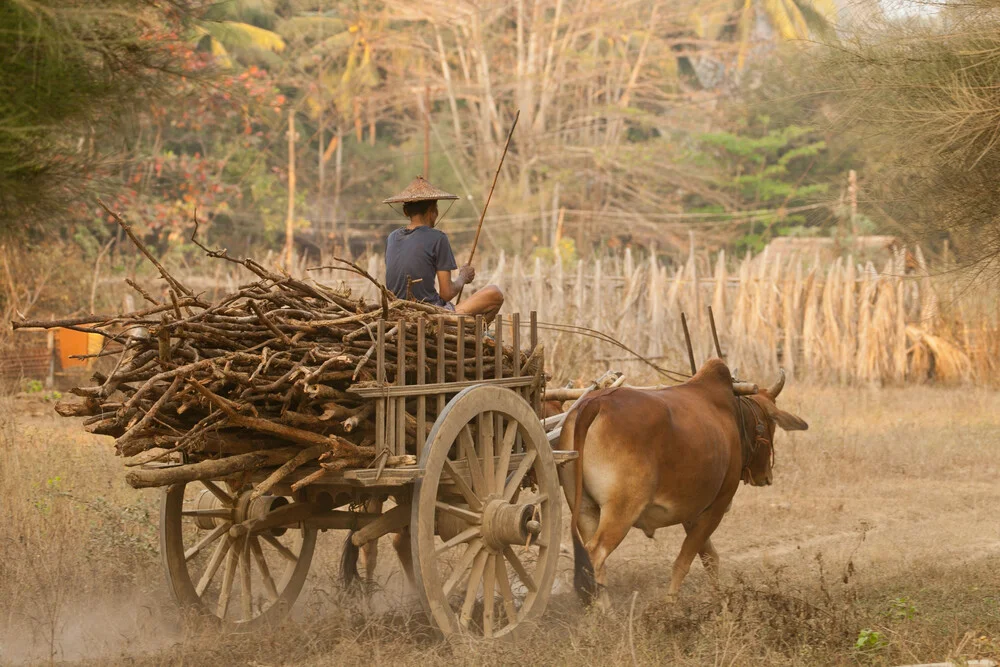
776 388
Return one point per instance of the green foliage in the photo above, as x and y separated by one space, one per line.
870 641
33 387
566 253
69 72
766 171
902 609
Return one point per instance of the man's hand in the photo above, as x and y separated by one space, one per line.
448 288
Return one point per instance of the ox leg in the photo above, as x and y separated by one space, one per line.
401 543
615 522
695 543
709 557
589 517
369 551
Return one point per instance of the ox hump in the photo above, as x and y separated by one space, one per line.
714 371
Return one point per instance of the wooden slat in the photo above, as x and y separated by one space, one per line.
460 371
401 382
368 477
479 347
498 328
535 396
380 378
533 330
380 351
516 340
440 364
421 398
438 387
390 424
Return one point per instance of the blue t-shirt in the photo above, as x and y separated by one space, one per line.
418 254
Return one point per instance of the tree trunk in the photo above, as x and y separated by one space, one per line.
321 208
337 183
290 220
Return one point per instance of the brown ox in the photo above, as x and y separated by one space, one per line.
656 458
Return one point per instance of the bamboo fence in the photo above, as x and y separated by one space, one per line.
841 322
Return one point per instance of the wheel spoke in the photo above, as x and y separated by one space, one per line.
213 565
522 573
464 536
475 467
205 541
265 572
474 518
282 549
463 486
514 481
489 594
214 514
470 592
246 590
506 449
226 499
232 561
487 424
505 592
463 565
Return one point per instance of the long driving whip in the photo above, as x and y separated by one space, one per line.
482 216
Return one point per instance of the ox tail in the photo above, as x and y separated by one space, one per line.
349 576
583 570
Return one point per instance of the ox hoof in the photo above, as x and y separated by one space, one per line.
602 602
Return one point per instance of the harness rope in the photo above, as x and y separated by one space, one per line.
748 447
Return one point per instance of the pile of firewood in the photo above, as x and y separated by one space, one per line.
257 379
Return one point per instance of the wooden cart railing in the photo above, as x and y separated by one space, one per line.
399 404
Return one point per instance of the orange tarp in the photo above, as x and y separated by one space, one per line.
76 342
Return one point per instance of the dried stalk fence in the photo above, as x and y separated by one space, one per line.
842 323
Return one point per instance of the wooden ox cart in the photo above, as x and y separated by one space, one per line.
481 506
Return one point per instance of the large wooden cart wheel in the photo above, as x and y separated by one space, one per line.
233 558
485 543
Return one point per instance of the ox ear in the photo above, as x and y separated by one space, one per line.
785 420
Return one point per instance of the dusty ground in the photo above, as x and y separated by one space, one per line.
883 528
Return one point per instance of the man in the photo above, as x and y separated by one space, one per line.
417 254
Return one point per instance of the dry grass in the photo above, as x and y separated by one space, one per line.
882 518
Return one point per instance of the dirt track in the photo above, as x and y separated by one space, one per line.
893 491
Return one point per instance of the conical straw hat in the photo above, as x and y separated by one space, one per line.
419 190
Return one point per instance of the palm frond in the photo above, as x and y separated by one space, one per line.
233 34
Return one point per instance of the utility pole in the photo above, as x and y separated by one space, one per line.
427 131
290 220
852 196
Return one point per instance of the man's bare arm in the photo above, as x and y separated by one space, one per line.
448 288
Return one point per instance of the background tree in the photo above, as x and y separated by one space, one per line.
919 95
71 74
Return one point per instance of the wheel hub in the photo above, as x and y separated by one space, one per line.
505 524
246 507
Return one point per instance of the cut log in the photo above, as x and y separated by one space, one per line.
211 469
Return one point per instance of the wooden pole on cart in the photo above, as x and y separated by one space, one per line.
482 216
715 334
687 339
